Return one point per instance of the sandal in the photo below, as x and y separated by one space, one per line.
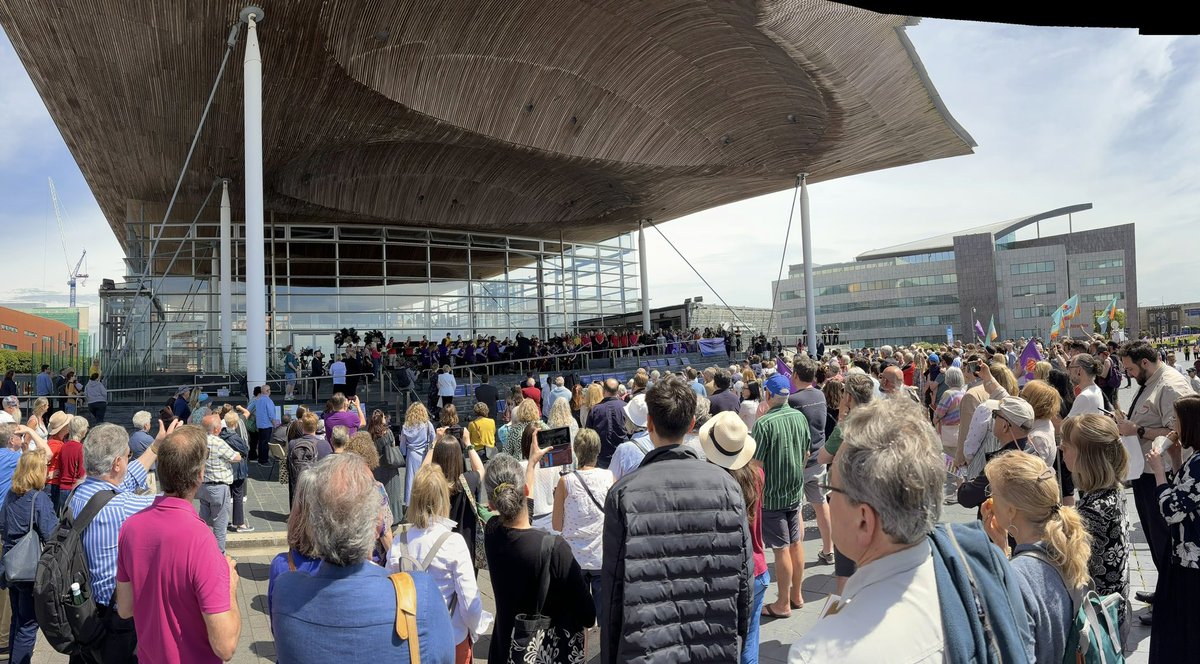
797 606
768 612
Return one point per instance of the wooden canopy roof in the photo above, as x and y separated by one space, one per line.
511 116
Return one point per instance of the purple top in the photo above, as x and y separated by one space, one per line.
344 418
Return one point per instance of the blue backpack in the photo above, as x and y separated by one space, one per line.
983 613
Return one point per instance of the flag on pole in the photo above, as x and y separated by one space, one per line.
1029 359
782 368
991 334
1056 324
1070 308
978 329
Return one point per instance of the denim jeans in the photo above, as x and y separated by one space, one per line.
24 623
750 648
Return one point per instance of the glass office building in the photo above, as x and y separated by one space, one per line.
321 278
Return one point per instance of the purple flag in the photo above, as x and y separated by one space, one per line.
782 368
1029 357
978 329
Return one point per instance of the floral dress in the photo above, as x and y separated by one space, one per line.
1107 522
1180 505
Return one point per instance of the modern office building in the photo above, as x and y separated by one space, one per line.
430 167
926 289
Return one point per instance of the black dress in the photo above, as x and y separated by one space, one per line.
461 512
513 562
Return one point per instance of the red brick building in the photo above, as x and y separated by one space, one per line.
43 337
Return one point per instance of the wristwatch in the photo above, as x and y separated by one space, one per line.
1141 431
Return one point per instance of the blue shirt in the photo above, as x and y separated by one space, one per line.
139 442
264 412
8 466
100 539
279 565
698 388
320 617
45 384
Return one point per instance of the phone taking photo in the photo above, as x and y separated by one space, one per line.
557 443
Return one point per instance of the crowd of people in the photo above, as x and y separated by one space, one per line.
639 512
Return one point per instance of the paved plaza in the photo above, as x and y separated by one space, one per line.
267 505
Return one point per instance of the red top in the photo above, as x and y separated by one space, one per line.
70 463
760 557
53 471
533 393
617 341
908 374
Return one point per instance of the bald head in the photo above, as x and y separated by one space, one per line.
611 386
212 424
893 379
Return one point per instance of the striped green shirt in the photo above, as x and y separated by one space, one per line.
783 441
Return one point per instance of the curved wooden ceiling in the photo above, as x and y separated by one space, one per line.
513 116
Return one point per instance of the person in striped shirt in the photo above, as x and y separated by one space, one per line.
106 462
783 441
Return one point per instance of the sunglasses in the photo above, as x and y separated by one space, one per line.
830 487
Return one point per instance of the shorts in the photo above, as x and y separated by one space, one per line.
843 566
781 528
814 475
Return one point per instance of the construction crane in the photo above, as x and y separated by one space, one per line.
73 273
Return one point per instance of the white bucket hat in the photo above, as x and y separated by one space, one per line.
726 441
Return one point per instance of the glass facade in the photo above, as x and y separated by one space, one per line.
405 282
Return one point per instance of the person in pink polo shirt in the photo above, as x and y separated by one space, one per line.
172 579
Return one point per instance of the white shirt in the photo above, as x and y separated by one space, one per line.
890 612
1041 436
583 521
1196 384
1090 401
452 571
629 454
446 384
338 371
748 411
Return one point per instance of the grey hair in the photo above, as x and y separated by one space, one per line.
1087 363
860 387
560 381
141 419
703 408
343 509
885 351
299 533
78 428
891 460
340 436
104 445
504 481
954 378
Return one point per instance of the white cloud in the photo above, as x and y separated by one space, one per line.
1062 116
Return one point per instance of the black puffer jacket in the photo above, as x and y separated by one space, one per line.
678 565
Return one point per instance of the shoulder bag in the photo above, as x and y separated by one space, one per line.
21 561
534 639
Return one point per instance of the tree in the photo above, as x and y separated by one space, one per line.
1118 322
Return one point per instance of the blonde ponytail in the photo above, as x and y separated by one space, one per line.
1026 482
1070 546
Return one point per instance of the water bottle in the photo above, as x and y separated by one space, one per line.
76 595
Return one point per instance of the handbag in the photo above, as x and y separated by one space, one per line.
480 553
21 561
534 639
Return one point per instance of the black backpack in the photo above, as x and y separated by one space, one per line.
69 626
301 457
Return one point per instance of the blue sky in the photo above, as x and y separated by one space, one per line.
1062 116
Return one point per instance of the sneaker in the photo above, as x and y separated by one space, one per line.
825 558
245 528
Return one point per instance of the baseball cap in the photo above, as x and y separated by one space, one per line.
779 385
58 421
1014 410
933 358
636 410
203 397
11 402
